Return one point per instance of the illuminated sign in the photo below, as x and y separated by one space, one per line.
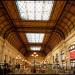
72 54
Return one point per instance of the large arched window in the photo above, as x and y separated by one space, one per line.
72 47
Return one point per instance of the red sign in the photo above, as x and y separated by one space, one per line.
72 54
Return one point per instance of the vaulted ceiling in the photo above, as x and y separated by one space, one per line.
57 28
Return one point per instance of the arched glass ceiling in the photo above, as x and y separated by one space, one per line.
34 10
35 37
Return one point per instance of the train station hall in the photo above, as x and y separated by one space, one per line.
37 37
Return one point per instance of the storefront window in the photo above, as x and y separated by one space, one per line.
53 59
63 59
57 58
72 64
62 56
10 60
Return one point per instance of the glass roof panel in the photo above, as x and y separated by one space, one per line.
34 10
35 37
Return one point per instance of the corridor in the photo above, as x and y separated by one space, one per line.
37 37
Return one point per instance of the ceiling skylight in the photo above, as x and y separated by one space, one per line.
35 37
35 48
34 10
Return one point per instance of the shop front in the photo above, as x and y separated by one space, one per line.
72 56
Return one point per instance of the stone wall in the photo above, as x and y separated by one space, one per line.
62 46
8 53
